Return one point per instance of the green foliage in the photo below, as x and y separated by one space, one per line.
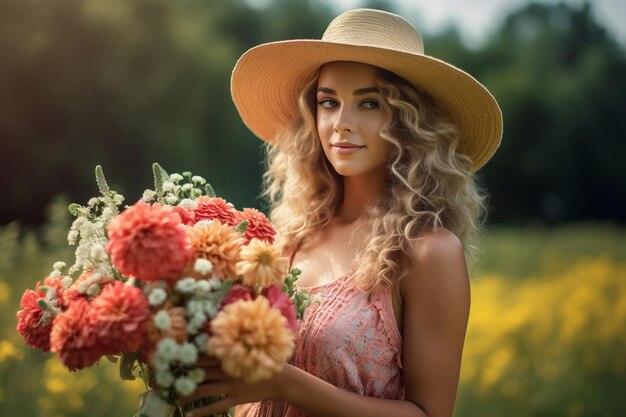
126 83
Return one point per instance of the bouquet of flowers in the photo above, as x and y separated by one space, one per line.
179 274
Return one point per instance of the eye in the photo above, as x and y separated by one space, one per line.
327 103
370 104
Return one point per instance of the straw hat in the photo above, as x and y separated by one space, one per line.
268 79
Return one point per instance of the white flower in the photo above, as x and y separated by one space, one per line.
176 177
201 341
167 349
198 319
107 215
157 296
66 281
171 199
186 187
93 290
97 252
164 378
196 375
215 283
93 202
210 309
186 285
187 354
168 186
72 237
59 265
198 179
203 287
203 266
161 364
118 199
184 386
193 306
162 320
187 203
148 195
55 274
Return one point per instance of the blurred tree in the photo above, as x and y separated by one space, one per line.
559 79
124 84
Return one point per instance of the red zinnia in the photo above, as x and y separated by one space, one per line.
31 324
280 300
120 314
187 216
237 292
259 226
208 208
148 242
73 339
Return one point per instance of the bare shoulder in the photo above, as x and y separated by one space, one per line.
438 266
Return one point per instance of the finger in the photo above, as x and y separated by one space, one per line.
215 373
212 389
217 407
206 360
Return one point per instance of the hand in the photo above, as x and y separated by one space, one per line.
235 390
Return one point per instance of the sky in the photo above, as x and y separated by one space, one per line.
476 19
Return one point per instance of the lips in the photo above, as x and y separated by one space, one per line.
345 145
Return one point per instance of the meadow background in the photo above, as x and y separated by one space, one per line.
124 84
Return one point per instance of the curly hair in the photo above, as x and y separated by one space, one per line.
430 184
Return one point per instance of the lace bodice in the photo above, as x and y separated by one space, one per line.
348 341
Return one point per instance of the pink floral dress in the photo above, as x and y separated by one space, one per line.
348 341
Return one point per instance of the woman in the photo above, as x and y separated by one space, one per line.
371 177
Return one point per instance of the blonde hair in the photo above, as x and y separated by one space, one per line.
430 184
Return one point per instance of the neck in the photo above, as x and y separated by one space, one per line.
359 192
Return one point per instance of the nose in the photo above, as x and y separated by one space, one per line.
344 121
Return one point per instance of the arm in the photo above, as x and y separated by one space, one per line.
435 311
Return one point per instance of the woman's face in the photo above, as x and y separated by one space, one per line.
349 118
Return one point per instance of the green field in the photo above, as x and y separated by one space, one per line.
547 333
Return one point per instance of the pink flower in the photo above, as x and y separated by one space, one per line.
119 317
148 242
237 292
280 300
187 216
73 339
208 208
32 322
259 226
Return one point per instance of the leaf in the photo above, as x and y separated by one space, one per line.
157 171
209 190
242 226
127 364
74 209
102 183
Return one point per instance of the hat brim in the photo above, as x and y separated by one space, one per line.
268 79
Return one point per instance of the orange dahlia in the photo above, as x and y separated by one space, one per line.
251 339
148 242
261 264
217 242
259 226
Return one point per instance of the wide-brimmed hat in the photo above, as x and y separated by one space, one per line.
268 79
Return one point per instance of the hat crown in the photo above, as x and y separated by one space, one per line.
375 28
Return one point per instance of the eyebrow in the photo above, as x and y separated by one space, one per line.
358 92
